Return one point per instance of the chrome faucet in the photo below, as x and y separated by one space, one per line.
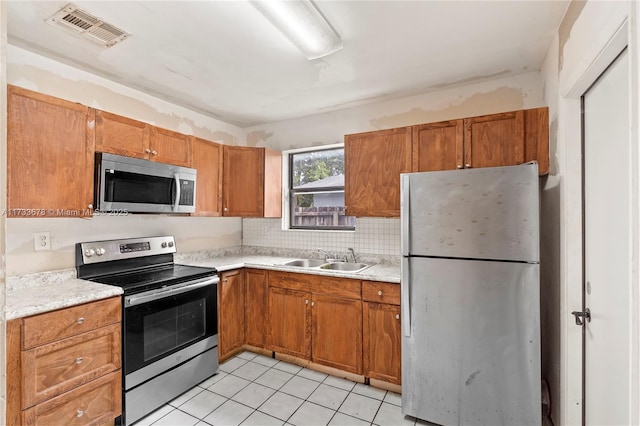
353 254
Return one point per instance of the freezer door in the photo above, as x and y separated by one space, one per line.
473 354
489 213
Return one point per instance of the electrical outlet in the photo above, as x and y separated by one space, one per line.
42 241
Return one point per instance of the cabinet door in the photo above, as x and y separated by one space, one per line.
438 146
243 181
494 140
231 299
256 307
337 333
50 146
382 341
170 147
207 160
121 135
290 322
373 163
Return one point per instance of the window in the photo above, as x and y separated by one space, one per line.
316 190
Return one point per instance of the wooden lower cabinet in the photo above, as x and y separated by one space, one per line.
63 367
337 333
257 290
382 341
290 322
231 308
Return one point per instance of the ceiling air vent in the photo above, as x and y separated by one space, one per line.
87 26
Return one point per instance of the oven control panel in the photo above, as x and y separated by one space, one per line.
103 251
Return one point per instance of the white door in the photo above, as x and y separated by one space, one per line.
607 246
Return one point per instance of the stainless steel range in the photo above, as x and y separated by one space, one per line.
170 325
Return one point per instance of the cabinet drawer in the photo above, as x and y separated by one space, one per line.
95 403
44 328
55 368
339 287
291 280
379 292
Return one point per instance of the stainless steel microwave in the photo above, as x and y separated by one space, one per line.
140 186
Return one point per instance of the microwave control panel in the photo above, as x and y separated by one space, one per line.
187 192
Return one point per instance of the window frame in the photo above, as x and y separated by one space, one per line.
289 192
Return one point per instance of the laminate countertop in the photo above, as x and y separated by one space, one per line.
33 294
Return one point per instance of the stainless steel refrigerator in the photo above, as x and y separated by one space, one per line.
471 296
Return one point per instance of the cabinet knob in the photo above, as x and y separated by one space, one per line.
306 302
468 165
459 166
147 150
80 320
79 413
90 206
154 152
226 209
225 280
379 292
79 360
313 303
397 316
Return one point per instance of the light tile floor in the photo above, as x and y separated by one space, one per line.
254 389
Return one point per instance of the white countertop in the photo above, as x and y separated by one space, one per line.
47 291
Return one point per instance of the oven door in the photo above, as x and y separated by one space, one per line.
166 327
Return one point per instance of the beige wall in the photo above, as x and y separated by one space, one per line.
568 70
41 74
498 95
3 204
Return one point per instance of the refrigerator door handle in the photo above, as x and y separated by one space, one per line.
405 288
405 205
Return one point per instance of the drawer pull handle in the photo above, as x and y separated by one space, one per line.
379 292
79 360
397 316
79 413
80 320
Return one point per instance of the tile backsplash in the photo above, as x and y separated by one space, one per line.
379 236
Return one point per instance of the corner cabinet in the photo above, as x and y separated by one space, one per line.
207 160
63 367
252 182
231 307
50 149
373 163
256 304
124 136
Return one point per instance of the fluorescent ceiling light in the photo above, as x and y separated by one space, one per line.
302 23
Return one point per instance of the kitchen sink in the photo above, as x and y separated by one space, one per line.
305 263
327 264
345 266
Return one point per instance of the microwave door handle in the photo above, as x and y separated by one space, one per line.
176 177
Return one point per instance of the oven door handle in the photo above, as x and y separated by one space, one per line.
164 292
176 202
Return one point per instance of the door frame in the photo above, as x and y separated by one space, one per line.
612 42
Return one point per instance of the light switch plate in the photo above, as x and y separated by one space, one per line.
42 241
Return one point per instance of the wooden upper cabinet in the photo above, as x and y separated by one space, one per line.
494 140
252 182
373 163
120 135
438 146
536 136
170 147
50 156
206 158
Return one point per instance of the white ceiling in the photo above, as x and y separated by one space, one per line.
224 59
